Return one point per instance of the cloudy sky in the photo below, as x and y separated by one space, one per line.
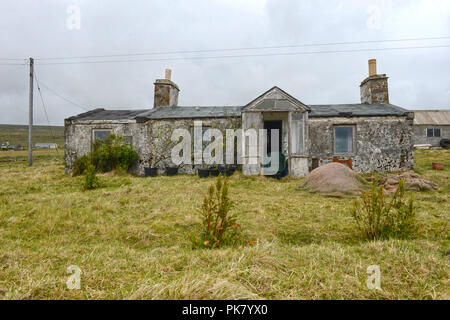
419 78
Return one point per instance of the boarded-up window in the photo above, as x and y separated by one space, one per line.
343 139
298 133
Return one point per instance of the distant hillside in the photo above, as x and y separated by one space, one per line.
18 134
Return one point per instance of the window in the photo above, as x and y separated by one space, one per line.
436 132
100 134
297 127
343 139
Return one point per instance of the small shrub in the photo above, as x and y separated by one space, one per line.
113 154
80 165
377 218
219 225
91 180
107 155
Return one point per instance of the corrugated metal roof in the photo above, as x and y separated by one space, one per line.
334 110
434 117
356 110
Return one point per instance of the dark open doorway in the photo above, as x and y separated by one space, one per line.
274 125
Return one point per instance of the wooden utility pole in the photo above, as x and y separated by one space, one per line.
30 116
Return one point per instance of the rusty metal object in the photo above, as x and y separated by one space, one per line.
437 166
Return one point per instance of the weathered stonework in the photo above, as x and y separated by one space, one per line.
374 89
146 137
382 144
166 93
79 138
382 133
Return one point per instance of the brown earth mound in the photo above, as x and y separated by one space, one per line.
412 182
334 179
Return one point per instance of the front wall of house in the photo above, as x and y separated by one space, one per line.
420 134
381 144
158 128
79 138
145 138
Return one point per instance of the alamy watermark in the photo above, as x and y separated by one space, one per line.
73 21
74 280
374 280
247 146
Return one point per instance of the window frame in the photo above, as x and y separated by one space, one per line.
303 137
433 132
97 130
353 127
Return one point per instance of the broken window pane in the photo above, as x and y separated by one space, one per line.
343 139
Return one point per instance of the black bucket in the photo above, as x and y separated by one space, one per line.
171 171
203 173
214 172
230 171
150 172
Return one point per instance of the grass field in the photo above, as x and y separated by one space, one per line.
18 134
131 239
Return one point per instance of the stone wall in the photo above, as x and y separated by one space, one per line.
146 137
420 134
79 138
381 144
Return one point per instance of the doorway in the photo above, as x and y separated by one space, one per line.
274 125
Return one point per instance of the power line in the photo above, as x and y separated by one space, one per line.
246 55
13 64
43 105
13 59
63 98
244 48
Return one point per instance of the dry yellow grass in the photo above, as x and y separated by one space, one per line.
131 239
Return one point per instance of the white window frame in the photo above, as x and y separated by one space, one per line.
353 152
291 135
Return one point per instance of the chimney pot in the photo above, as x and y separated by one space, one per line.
168 74
372 67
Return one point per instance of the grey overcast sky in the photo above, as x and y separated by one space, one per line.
419 78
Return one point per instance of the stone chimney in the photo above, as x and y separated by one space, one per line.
374 89
166 92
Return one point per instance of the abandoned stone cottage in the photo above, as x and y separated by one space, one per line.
373 135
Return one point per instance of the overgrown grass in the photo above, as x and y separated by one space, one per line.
131 239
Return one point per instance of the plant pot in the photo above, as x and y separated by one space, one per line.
214 172
150 172
222 170
437 166
203 173
171 171
230 171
